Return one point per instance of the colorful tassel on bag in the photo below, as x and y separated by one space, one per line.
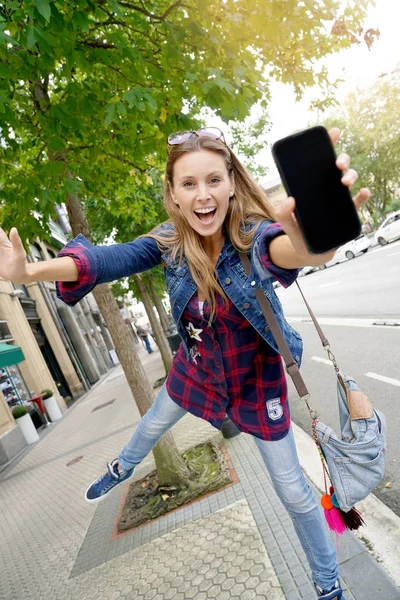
338 520
352 518
333 515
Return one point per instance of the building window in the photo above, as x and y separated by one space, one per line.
21 287
37 252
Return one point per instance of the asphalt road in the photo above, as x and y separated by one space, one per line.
367 286
349 298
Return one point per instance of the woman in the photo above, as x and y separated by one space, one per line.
228 362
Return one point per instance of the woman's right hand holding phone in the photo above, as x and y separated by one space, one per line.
13 264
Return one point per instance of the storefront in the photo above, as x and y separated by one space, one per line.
13 391
12 383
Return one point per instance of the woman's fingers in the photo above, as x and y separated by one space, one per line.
362 197
334 134
349 178
343 161
350 175
15 239
4 241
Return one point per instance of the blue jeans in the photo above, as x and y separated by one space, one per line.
280 458
147 344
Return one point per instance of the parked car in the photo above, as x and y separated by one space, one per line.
307 271
350 250
389 230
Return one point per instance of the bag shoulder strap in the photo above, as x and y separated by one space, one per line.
291 365
321 334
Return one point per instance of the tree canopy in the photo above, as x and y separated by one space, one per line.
89 89
370 124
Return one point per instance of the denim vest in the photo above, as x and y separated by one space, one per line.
239 289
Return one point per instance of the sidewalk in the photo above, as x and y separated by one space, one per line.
237 544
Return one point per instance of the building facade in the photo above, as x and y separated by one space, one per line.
44 344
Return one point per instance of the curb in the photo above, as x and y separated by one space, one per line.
381 534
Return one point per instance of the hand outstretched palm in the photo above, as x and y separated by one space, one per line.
13 265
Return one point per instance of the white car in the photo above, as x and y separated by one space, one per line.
350 250
389 230
307 271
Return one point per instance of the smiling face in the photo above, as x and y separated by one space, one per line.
202 188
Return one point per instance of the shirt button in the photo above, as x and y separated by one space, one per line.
227 280
253 283
246 305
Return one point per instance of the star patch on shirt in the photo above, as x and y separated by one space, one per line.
193 332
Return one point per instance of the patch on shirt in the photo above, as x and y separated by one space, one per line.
193 332
194 353
274 408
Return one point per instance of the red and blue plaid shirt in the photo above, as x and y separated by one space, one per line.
232 371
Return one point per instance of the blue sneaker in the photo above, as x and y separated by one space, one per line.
336 593
107 482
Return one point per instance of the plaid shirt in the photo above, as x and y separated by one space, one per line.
232 371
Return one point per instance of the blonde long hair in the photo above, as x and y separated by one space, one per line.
247 208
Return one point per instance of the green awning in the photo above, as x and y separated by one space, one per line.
10 355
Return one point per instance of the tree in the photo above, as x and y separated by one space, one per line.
143 289
89 89
144 285
370 125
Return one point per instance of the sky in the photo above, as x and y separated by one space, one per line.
357 66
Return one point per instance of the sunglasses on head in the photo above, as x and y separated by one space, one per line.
182 136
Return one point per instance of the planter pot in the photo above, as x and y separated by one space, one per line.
28 429
52 408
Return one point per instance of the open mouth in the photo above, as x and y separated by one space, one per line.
206 215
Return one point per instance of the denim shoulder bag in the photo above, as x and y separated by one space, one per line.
353 463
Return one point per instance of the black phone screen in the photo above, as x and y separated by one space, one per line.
324 208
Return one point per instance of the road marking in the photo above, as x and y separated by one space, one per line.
330 284
348 322
325 361
392 254
383 378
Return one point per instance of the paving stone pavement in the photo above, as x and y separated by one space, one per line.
235 544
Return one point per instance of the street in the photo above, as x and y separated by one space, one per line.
348 299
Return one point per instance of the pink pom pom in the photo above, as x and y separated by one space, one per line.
335 520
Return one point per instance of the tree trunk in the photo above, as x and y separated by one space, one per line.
378 208
159 306
161 340
171 468
97 336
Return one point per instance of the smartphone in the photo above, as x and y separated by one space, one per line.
325 210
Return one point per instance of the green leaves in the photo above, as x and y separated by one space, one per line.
43 7
71 186
369 121
95 88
